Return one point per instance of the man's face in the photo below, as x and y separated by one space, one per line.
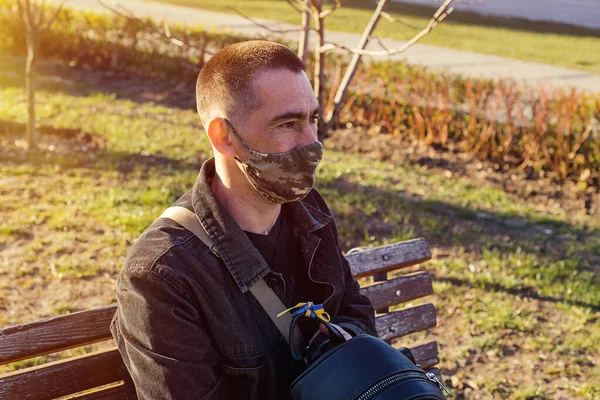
286 116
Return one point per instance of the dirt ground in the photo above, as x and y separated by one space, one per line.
541 190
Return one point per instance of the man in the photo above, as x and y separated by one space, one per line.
187 325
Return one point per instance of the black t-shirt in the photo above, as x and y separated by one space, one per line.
282 253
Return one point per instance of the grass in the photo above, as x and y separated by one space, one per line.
510 298
537 41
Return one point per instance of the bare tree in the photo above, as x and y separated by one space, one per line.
319 13
304 34
33 15
332 114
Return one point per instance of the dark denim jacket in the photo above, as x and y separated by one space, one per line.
187 325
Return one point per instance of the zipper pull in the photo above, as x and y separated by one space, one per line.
435 379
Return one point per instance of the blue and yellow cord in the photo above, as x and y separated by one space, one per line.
309 309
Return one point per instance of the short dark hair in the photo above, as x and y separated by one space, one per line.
225 80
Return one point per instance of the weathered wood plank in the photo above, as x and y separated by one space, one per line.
400 323
50 335
62 378
115 392
399 290
426 355
387 258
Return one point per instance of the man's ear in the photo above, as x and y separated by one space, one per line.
218 134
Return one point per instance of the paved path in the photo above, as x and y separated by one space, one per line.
455 61
575 12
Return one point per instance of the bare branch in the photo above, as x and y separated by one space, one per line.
30 17
325 13
40 20
300 5
342 89
173 40
53 17
294 4
438 17
125 13
22 13
380 42
260 25
304 37
397 21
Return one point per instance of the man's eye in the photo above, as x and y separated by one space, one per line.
288 125
314 119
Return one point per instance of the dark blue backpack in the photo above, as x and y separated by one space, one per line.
362 368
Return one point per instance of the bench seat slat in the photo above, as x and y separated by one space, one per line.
387 258
399 290
426 355
399 323
62 378
50 335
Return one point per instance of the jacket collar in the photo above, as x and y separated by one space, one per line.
241 258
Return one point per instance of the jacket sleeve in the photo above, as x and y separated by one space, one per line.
356 313
162 338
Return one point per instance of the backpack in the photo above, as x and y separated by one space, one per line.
362 368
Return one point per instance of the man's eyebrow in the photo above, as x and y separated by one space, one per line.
293 115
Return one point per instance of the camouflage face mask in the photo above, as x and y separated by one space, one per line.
281 177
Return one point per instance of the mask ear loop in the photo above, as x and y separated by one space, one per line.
237 135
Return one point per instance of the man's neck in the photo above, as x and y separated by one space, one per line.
249 209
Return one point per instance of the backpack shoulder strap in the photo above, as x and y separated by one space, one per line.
190 221
261 291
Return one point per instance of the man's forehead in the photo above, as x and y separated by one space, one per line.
281 83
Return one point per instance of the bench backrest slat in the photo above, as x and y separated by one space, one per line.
61 378
55 334
399 323
116 392
399 290
387 258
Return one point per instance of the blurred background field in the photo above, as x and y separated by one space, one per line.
546 42
502 180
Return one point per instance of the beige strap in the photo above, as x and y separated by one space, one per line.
261 291
190 221
273 306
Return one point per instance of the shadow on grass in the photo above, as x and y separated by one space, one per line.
551 261
123 162
73 148
527 292
472 18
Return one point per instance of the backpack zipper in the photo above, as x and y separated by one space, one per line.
391 380
432 377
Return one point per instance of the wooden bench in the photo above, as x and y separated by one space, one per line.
98 376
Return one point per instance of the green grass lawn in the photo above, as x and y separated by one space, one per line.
511 299
525 40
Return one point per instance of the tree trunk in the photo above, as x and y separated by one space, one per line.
303 42
319 78
332 115
30 89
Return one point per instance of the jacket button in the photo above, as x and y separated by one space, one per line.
272 282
